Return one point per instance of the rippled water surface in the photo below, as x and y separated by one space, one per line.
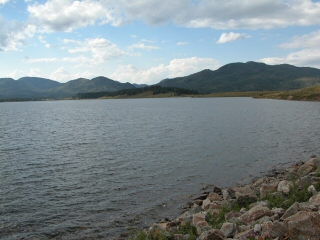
91 169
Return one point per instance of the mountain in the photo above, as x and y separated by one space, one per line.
250 76
31 87
140 85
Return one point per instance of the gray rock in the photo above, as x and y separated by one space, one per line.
257 228
284 186
315 200
268 188
278 211
304 182
291 210
255 213
307 206
245 196
214 197
229 229
312 189
273 229
213 234
244 235
303 225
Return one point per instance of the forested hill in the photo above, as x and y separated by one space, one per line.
250 76
153 90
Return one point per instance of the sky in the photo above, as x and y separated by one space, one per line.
146 41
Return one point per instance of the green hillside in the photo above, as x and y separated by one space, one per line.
250 76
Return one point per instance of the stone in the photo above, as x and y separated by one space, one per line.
278 211
181 237
315 200
231 215
257 228
268 188
187 215
199 217
255 213
304 182
244 235
260 203
307 206
205 204
312 189
265 219
303 225
201 226
284 186
293 209
309 167
273 230
245 191
229 229
214 197
213 234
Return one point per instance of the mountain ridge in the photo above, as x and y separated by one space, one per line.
232 77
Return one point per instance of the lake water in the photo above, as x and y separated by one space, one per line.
90 169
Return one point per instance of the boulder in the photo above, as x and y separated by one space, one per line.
303 225
284 186
255 213
213 234
268 188
231 215
181 237
244 235
309 167
293 209
257 228
205 204
312 189
304 182
278 211
307 206
187 215
315 200
273 230
245 196
214 197
229 229
199 217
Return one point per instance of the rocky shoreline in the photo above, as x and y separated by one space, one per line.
283 205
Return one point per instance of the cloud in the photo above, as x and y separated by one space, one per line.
67 15
230 37
14 35
42 60
143 46
176 68
4 1
62 75
99 50
308 54
182 43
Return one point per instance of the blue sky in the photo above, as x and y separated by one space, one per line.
145 41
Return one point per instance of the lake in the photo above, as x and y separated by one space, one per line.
95 168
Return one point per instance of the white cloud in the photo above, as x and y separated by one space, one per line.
41 60
309 55
176 68
62 75
16 74
67 15
182 43
99 50
143 46
35 72
229 37
4 1
14 35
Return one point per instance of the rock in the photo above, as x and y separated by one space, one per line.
229 229
205 204
268 188
260 203
187 215
265 219
307 206
214 197
284 186
257 228
304 225
199 217
243 199
244 235
213 234
312 189
309 167
315 200
273 230
304 182
217 190
231 215
181 237
255 213
278 211
291 210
